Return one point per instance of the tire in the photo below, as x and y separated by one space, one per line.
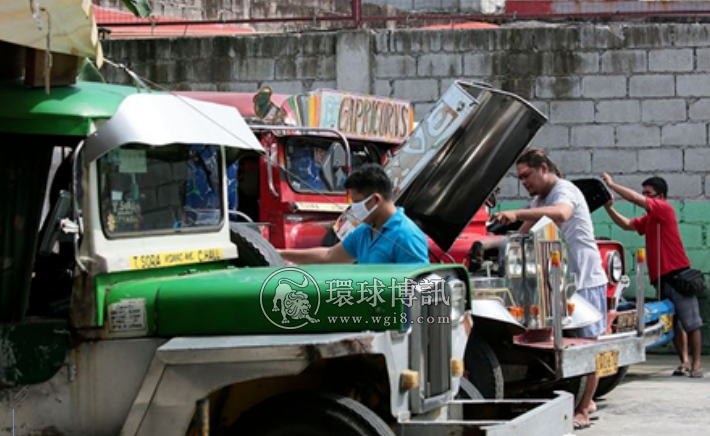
311 414
253 250
467 391
483 368
608 384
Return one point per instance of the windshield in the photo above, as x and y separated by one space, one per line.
160 190
318 165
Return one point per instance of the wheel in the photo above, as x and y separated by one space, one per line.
609 383
467 391
483 368
253 250
316 414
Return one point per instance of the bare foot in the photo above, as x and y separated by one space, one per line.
581 421
592 407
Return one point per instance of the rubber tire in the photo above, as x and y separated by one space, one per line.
467 391
253 250
483 368
311 414
609 383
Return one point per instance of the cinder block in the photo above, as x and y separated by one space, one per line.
238 87
565 63
696 85
558 87
652 85
699 257
253 69
699 110
567 112
551 136
417 90
556 39
614 161
692 35
663 111
542 106
383 88
618 111
415 41
697 159
307 67
684 134
577 161
650 35
439 65
289 87
684 186
322 84
702 57
382 42
638 136
484 64
624 61
526 64
510 188
692 235
511 205
695 212
661 160
393 66
670 60
592 136
421 110
520 86
598 37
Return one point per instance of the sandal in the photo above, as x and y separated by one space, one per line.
581 425
681 370
696 373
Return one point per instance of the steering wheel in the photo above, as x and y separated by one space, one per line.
242 215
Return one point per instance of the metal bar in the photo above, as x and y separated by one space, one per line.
556 281
357 13
640 291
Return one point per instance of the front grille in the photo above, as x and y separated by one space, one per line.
437 346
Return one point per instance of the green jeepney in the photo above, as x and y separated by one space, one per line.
130 305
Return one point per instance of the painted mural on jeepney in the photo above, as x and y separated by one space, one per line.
421 147
357 116
366 117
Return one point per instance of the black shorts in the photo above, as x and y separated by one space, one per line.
687 309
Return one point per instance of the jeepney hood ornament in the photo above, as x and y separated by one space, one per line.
444 172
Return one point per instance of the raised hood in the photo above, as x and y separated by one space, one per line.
455 158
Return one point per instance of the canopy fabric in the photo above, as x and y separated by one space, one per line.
67 111
70 25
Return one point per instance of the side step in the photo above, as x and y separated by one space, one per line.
499 418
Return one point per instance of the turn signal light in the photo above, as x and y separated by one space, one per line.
409 379
570 308
555 258
516 311
534 310
456 367
641 255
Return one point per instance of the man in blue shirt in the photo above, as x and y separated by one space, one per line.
385 233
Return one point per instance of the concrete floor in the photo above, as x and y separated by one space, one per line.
651 402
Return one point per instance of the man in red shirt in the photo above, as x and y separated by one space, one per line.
665 255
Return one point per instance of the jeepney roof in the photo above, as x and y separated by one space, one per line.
66 111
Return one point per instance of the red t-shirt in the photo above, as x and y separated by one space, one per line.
662 238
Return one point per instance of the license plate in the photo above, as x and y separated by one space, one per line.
667 323
607 363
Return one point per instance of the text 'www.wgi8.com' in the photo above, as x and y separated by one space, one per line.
388 320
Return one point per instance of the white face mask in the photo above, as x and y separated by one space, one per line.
359 211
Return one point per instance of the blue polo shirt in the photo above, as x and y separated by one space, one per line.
399 241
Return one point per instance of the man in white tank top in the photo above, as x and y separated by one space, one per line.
561 201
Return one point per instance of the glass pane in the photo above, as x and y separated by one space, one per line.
162 189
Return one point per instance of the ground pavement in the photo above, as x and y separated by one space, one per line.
651 402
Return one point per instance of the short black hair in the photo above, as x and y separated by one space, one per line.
370 179
658 184
535 157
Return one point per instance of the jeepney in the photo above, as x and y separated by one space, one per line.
129 308
458 228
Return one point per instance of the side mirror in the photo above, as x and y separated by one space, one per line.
333 165
54 232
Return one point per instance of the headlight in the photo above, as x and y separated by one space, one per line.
514 262
530 265
614 266
458 300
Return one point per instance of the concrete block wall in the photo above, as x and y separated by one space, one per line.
631 100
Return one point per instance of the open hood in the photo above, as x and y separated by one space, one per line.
455 158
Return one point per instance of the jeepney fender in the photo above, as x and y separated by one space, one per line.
177 377
495 311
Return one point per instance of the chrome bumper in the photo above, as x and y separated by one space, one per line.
497 418
581 359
